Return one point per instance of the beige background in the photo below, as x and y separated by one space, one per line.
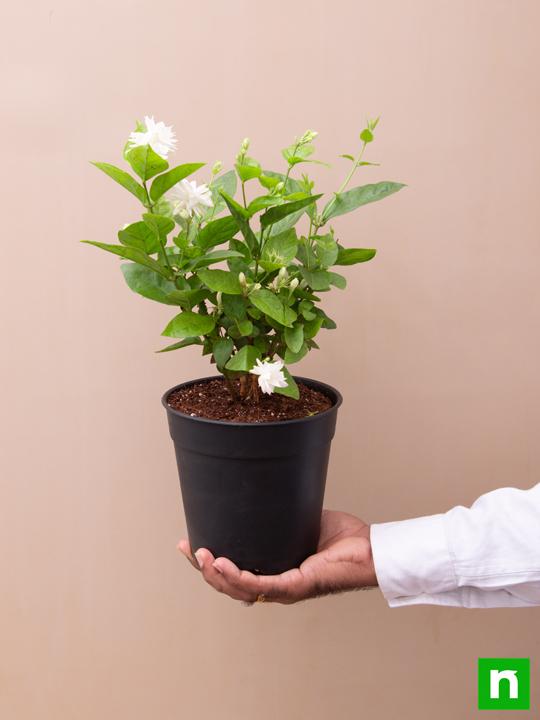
437 350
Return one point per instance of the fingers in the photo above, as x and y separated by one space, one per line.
185 549
225 577
242 584
205 559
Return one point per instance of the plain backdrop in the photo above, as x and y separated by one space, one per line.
437 350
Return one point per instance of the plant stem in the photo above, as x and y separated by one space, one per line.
151 211
344 183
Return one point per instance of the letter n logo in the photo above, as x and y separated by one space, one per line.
503 683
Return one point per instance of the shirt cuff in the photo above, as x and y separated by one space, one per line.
412 558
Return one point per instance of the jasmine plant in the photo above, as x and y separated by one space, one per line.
229 254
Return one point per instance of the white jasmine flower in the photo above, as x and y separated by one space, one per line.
159 136
270 375
189 197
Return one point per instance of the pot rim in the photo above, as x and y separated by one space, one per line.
324 388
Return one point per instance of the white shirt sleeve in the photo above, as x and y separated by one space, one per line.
484 556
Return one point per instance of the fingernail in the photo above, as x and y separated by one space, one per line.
216 567
199 558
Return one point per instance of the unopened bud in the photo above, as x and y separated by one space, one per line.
256 286
245 145
309 136
217 167
219 296
282 274
293 284
242 279
303 284
280 187
184 214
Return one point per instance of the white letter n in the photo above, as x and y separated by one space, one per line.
495 680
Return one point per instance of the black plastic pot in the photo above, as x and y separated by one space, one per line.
254 492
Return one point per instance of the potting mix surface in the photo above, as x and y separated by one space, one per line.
212 399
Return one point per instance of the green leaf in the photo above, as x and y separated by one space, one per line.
145 162
296 153
244 359
294 337
139 235
316 279
337 280
348 157
349 200
279 250
182 344
279 212
166 181
234 307
220 281
352 256
160 225
240 214
214 257
306 310
327 322
262 202
217 232
221 350
291 357
312 327
187 299
326 250
249 168
124 179
149 284
292 388
366 136
271 305
133 254
226 182
188 324
268 182
306 254
245 327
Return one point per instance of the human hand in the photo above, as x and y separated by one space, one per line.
343 561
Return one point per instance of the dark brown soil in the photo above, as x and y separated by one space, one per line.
212 399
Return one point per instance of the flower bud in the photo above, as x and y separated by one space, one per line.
245 145
280 187
303 284
308 136
217 167
282 274
293 284
257 286
242 279
219 296
184 214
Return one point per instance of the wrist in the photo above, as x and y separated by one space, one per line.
369 576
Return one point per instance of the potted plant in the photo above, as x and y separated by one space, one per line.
253 442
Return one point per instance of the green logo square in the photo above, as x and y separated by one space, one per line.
503 683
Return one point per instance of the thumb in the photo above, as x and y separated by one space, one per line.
349 550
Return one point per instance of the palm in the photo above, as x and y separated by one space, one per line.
342 562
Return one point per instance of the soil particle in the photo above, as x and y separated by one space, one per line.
212 399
